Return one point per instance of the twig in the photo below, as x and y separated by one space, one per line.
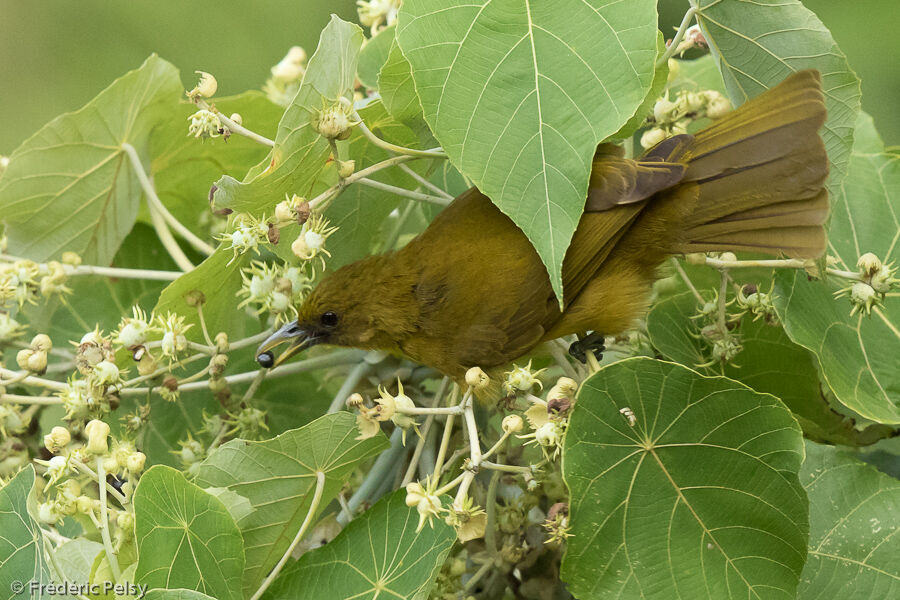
425 183
234 127
168 242
154 202
403 192
673 46
115 272
394 147
104 523
426 429
687 280
490 507
313 507
785 263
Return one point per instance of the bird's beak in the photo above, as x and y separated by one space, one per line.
298 338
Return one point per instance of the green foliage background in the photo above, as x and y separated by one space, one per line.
46 45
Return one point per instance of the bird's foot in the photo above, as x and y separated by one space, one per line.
593 341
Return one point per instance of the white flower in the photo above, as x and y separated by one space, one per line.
106 373
261 285
512 424
521 379
204 124
133 331
56 467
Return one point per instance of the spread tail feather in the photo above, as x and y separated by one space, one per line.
757 176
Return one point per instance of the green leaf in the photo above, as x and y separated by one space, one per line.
75 559
854 517
519 94
379 554
218 278
699 499
660 78
70 186
397 89
300 152
21 554
769 362
757 44
184 168
278 476
185 537
372 56
857 354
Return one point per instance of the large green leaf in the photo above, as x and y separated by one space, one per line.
21 553
379 554
769 362
698 499
397 89
278 477
759 43
854 520
519 93
185 537
857 354
176 594
300 152
70 186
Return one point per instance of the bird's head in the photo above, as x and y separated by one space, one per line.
349 307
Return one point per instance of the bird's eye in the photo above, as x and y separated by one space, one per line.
329 319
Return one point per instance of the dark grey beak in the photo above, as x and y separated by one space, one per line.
299 338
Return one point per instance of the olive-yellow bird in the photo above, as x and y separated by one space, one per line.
471 290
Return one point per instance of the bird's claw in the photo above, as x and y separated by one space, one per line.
593 341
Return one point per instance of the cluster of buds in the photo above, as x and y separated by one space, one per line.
557 523
274 289
335 120
549 417
673 117
282 85
755 302
875 280
693 38
24 281
294 209
467 518
205 124
387 407
12 420
34 358
247 423
376 14
310 243
174 339
522 380
247 235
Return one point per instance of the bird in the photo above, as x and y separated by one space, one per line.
471 291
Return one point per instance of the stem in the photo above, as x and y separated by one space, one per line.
90 473
785 263
559 355
425 183
313 507
168 242
393 147
490 533
334 191
426 429
403 192
687 280
111 271
505 468
319 362
26 379
36 400
426 410
445 439
685 24
478 575
254 385
350 382
203 326
449 486
723 291
104 523
496 446
154 202
234 127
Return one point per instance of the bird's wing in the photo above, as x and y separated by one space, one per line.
617 193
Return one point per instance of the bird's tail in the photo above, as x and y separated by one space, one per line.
755 178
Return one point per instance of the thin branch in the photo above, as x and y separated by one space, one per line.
313 507
403 192
104 523
394 147
234 127
687 280
785 263
111 271
425 183
168 242
673 46
154 202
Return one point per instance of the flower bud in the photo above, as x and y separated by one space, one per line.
42 343
135 462
354 400
717 105
728 257
414 493
57 439
652 137
32 361
512 424
237 118
868 264
284 212
664 109
125 520
221 341
97 432
477 379
71 259
206 87
346 168
674 70
106 372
